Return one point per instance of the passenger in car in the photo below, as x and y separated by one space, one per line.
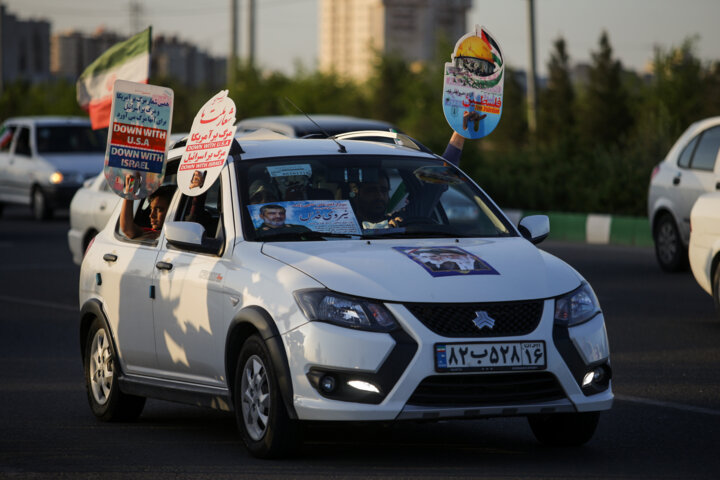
159 203
262 192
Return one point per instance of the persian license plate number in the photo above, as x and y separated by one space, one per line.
487 357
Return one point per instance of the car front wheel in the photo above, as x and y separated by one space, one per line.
107 402
564 429
262 419
40 207
670 252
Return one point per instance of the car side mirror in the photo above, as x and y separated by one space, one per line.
535 228
189 236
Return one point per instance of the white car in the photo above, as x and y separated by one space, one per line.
704 249
90 209
44 160
689 170
308 308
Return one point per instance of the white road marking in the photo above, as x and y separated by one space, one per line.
661 403
39 303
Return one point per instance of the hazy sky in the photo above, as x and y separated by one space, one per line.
287 29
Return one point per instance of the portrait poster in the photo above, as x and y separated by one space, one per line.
140 123
473 85
208 145
328 216
447 261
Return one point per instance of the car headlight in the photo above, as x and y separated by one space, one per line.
345 311
56 177
576 307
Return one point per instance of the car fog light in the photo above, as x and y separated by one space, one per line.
364 386
593 376
327 383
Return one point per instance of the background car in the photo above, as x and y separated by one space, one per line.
45 160
704 252
90 209
689 170
300 126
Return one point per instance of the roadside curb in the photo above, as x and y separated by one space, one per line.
593 228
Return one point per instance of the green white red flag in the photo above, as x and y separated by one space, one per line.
128 60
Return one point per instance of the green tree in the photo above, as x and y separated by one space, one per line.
605 117
557 101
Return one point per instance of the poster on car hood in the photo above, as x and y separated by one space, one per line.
208 145
140 122
473 85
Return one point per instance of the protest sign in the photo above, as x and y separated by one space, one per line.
141 117
208 145
473 85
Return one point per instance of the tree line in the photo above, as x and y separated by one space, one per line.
596 142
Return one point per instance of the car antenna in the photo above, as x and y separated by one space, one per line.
342 148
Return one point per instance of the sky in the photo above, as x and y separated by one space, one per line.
287 29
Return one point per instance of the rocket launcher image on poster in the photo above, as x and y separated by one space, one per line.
473 85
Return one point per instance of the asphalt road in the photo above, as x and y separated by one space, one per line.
664 338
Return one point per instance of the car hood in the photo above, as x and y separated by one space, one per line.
375 269
88 164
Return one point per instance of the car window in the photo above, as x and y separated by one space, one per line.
305 198
6 136
70 138
686 154
707 150
22 145
205 209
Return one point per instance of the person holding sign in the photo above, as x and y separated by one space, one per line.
159 203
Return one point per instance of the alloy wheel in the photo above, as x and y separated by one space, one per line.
255 397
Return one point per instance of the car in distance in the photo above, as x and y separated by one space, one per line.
321 125
45 160
689 170
704 251
304 307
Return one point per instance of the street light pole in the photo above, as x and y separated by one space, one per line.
531 79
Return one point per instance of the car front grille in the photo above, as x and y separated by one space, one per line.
457 319
487 389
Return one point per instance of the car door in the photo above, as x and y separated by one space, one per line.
127 289
19 174
190 307
701 175
7 137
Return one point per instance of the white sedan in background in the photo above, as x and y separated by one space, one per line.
90 209
704 250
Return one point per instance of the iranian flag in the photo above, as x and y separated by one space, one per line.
128 60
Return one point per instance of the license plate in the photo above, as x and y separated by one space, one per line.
488 357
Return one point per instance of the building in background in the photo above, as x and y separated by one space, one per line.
182 61
352 32
24 49
71 52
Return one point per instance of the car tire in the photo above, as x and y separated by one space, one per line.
106 400
40 208
263 421
670 252
564 429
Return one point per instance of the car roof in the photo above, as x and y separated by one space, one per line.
268 144
300 125
50 120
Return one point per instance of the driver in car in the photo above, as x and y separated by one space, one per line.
372 198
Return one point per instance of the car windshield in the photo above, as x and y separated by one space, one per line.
329 197
70 138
